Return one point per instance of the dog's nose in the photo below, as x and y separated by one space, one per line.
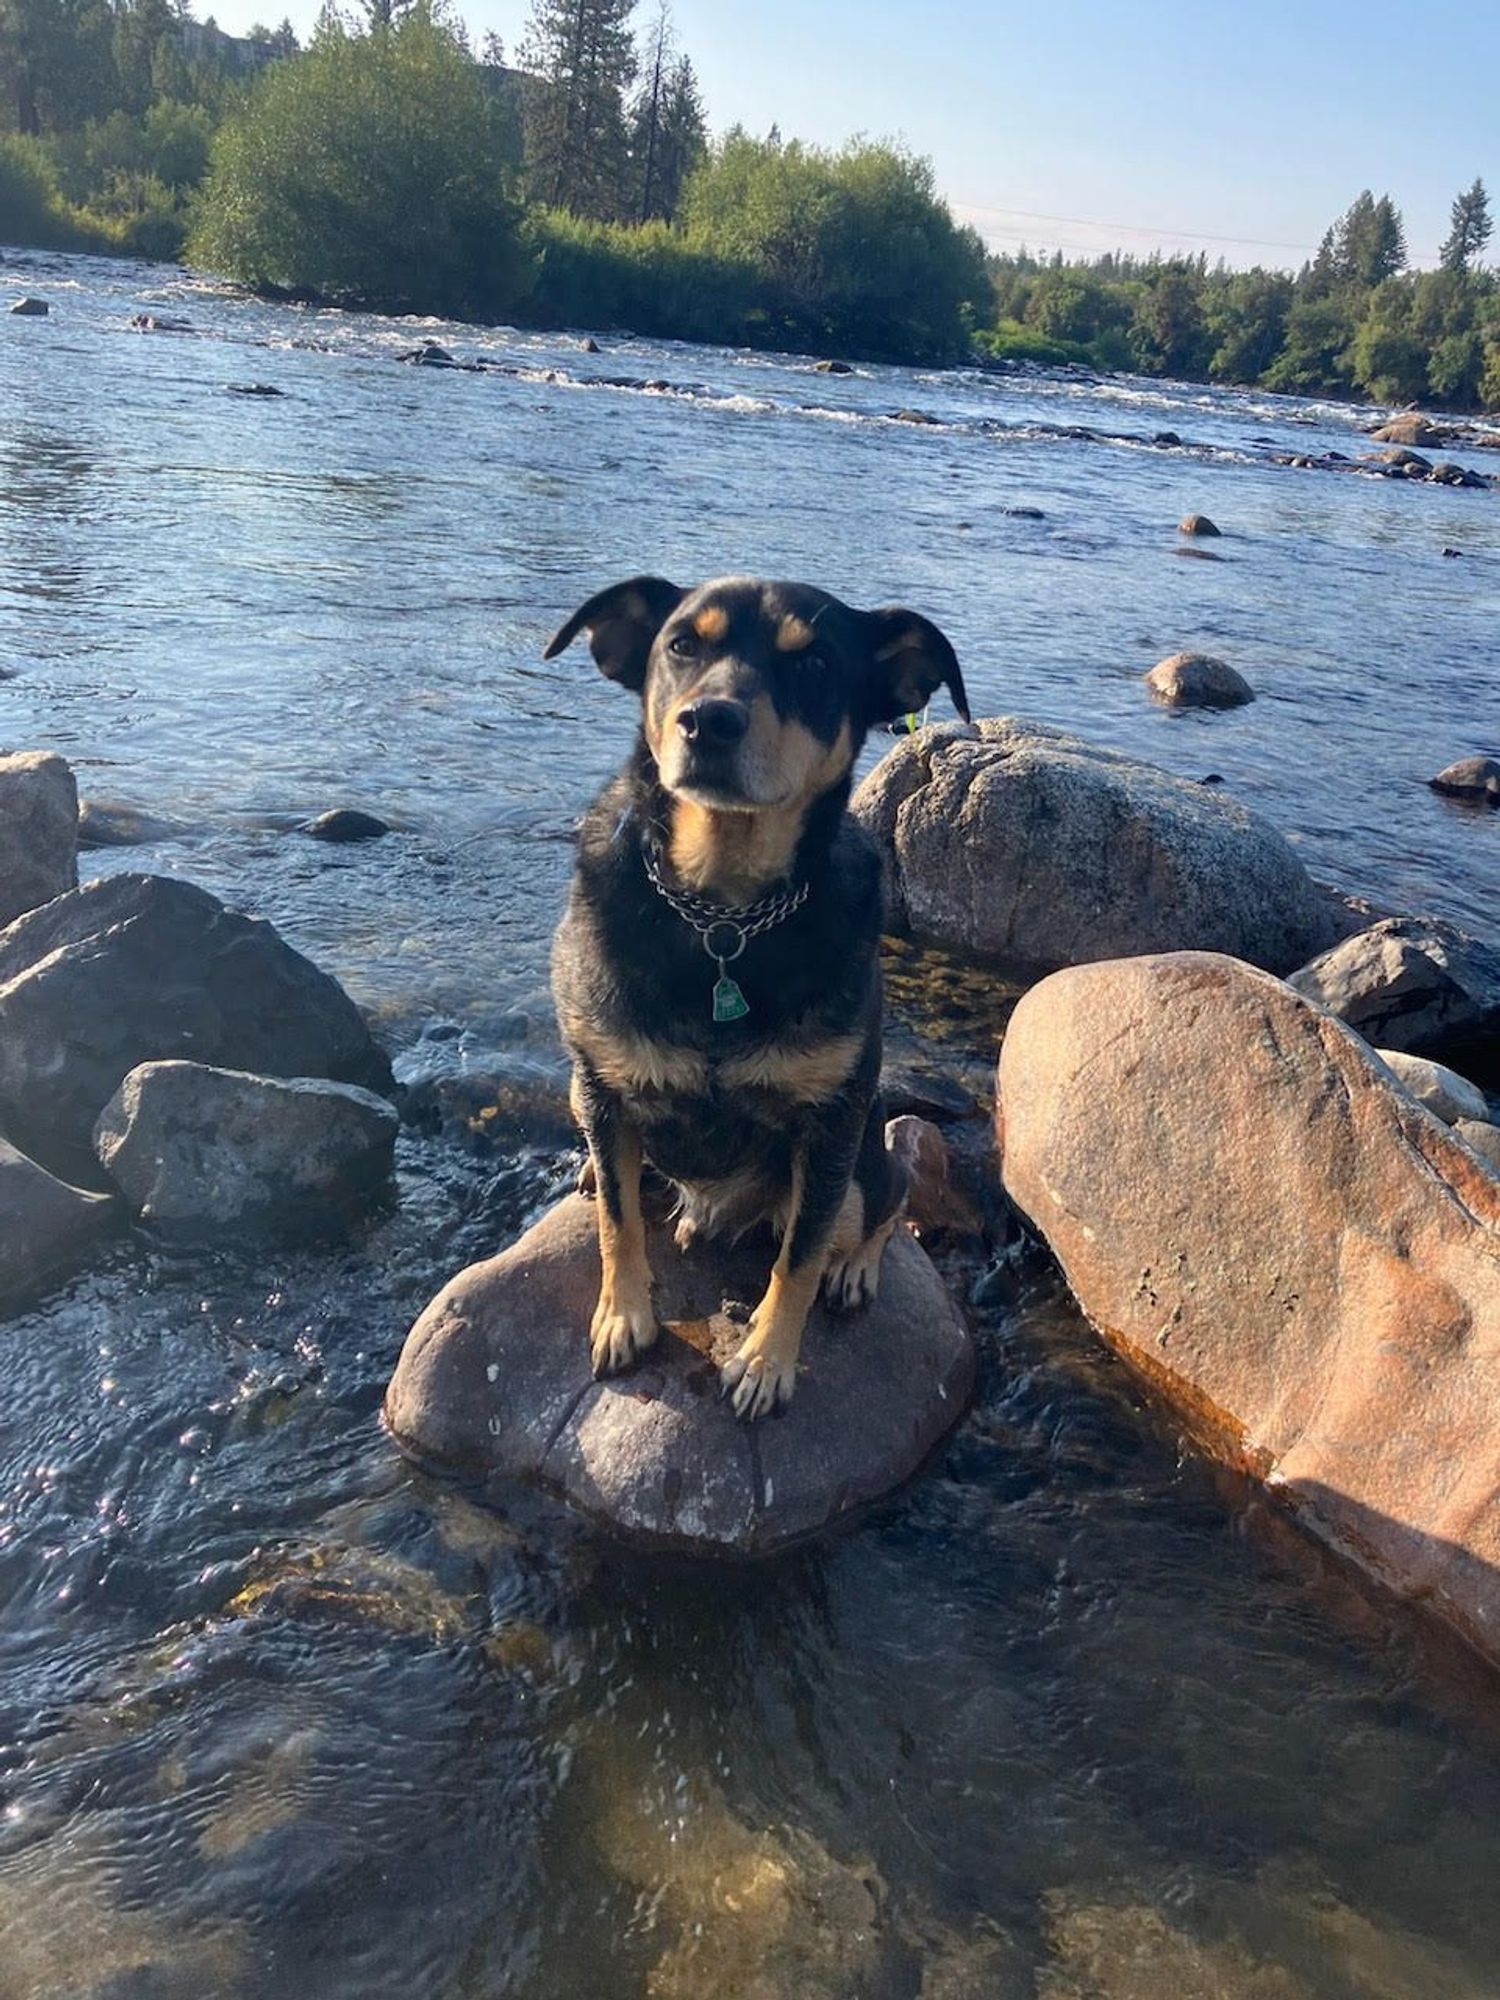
715 724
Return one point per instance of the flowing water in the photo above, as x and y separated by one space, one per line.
1069 1719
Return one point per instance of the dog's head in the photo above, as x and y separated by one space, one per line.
757 695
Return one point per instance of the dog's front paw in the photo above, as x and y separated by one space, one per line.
759 1377
620 1335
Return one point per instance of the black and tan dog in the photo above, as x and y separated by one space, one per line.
716 974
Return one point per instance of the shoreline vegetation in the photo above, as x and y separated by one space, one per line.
387 166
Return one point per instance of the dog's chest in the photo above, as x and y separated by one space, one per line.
754 1081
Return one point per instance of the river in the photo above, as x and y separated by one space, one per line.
1071 1718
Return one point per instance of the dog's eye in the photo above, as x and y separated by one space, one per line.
813 657
684 645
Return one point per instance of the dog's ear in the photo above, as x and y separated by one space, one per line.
622 622
909 658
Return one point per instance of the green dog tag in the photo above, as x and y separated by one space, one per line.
729 1003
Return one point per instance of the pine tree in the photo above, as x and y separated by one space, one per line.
1387 241
645 114
1369 242
683 141
582 59
1470 231
385 13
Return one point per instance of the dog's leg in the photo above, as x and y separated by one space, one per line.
762 1373
624 1323
877 1198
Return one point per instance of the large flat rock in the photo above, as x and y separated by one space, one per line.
494 1384
1028 849
1253 1210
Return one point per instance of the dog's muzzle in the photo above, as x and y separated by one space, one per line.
710 732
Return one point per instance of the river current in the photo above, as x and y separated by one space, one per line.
1071 1719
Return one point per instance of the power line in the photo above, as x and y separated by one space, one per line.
1414 259
1132 228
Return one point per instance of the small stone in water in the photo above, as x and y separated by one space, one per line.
344 823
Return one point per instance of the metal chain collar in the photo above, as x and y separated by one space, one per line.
725 931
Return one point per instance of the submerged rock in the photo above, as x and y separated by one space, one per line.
1412 983
494 1383
1445 473
117 823
754 1913
1302 1259
198 1151
832 368
139 968
46 1226
1026 849
31 308
1198 680
344 823
38 831
1476 778
1198 524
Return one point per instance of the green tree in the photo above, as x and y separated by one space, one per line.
30 33
1456 369
577 150
1386 360
851 250
366 170
1319 329
1168 331
1368 241
1245 316
1471 228
1075 304
140 28
646 113
682 143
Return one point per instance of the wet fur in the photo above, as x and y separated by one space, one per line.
775 1117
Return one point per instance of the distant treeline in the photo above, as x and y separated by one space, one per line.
388 165
1353 321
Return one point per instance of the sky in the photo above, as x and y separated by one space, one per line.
1241 130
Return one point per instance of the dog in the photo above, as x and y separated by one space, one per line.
716 972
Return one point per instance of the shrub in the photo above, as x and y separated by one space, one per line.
851 251
32 210
1010 341
367 170
645 276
